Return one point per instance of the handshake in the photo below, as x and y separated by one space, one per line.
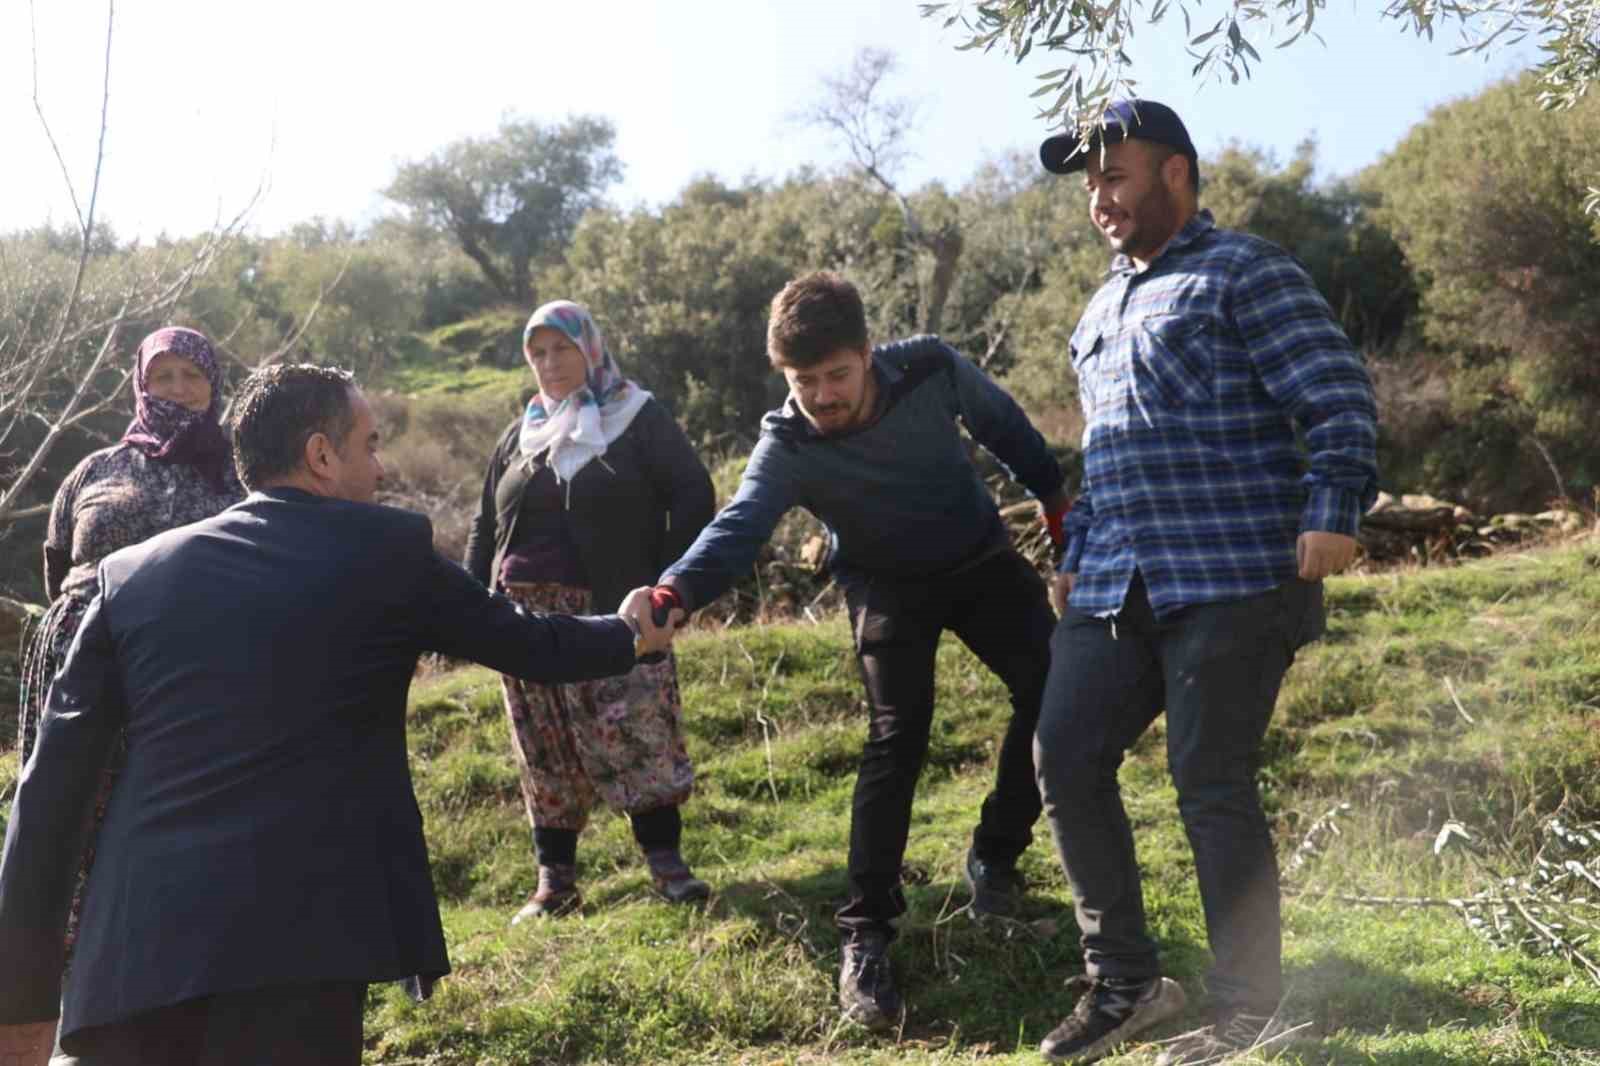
655 615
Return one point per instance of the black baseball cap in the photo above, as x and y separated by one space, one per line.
1145 119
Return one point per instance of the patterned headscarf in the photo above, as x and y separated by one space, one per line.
581 425
165 429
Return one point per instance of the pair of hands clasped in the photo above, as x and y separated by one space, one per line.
656 614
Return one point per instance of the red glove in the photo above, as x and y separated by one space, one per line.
1052 523
663 598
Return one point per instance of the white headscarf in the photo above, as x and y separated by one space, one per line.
582 424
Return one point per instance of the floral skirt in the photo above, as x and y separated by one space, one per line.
617 740
47 651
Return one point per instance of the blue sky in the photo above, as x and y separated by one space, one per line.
324 97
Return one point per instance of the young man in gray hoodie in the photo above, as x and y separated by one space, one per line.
870 443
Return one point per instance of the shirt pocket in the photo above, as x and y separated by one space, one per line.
1176 364
1096 378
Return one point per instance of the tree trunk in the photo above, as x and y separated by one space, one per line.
522 281
946 247
492 273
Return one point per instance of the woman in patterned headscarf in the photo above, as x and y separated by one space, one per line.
592 492
173 466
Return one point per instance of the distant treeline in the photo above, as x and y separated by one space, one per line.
1462 263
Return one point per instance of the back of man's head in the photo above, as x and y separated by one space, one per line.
813 317
278 409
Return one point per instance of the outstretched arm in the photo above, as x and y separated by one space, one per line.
464 620
727 548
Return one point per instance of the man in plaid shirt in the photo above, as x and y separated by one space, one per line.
1192 568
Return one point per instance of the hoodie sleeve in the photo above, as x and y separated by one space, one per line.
728 547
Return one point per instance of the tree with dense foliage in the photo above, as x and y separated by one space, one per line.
512 201
1484 200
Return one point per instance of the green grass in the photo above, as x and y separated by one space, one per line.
775 720
445 361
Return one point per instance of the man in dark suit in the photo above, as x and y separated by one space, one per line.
262 858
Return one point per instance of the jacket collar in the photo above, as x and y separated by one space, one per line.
286 494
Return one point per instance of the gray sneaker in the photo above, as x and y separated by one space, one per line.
1232 1033
996 889
1109 1013
867 995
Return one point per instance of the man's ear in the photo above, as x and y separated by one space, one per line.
1175 172
319 455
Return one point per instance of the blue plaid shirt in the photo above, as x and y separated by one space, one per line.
1193 376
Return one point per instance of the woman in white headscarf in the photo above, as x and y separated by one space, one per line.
592 492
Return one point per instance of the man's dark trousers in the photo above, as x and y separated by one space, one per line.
283 1025
999 609
1215 669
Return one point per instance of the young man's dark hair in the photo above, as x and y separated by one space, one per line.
277 410
813 317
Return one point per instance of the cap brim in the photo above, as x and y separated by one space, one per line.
1060 154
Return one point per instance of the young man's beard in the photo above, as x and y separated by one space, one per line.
1153 214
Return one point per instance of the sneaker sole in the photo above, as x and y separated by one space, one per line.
693 895
1168 1002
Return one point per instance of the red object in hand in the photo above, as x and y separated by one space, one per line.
1053 524
663 598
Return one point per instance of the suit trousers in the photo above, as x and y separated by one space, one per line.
999 609
1215 669
285 1025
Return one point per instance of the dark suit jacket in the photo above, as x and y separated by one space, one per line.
265 830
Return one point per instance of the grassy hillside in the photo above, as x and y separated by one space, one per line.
775 721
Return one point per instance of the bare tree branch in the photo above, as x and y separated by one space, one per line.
29 512
50 318
9 498
38 107
874 131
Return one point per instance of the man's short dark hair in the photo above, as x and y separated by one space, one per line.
277 410
813 317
